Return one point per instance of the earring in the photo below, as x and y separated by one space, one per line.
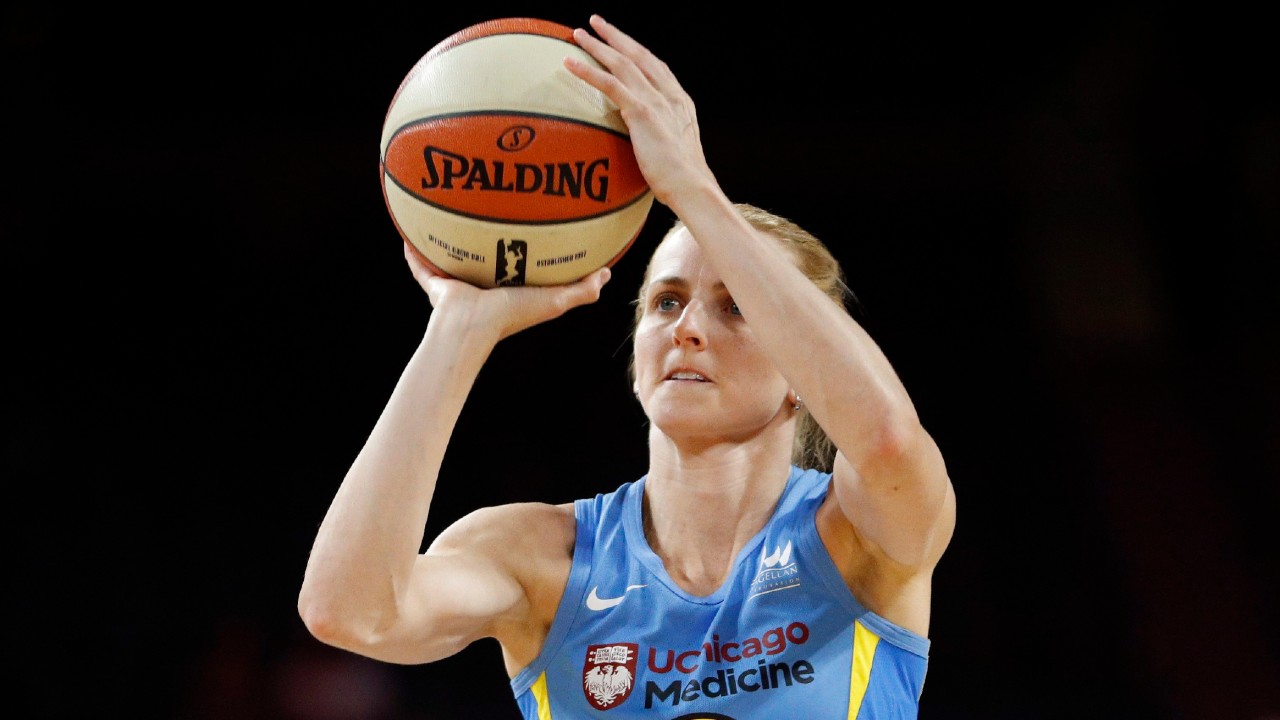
797 404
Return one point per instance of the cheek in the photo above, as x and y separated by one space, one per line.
648 348
754 369
764 376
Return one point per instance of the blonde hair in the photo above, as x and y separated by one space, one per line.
811 447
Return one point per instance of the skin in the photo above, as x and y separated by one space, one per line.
722 301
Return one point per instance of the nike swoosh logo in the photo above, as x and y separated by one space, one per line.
595 602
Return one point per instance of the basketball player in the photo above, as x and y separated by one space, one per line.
774 561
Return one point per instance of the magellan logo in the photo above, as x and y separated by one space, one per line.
777 571
780 556
609 673
509 269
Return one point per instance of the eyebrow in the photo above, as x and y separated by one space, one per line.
679 282
669 281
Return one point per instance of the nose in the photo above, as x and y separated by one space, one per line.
688 330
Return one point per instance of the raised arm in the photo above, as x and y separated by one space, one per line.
367 588
890 480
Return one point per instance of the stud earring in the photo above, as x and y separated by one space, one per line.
797 404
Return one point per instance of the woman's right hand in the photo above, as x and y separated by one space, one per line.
506 310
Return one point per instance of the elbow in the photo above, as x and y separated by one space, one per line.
334 629
321 628
326 620
900 435
346 621
319 619
902 448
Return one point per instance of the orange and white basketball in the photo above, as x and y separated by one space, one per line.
502 168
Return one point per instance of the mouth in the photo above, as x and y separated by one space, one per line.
688 376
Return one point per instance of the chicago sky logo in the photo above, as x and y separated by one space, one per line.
777 571
609 673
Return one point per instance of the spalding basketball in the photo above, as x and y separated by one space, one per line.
502 168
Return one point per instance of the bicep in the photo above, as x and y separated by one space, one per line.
453 600
458 592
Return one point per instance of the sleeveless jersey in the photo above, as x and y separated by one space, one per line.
783 637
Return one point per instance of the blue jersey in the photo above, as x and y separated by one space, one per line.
783 637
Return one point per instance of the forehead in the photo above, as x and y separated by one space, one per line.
678 256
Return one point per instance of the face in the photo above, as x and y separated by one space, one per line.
700 373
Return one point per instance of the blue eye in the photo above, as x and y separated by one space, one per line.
733 308
666 302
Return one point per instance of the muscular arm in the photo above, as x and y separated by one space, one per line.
890 480
366 587
891 511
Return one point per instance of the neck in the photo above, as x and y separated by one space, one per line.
701 509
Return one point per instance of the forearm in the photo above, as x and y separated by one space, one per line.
828 358
369 540
851 389
889 477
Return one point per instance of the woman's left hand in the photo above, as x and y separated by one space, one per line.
660 116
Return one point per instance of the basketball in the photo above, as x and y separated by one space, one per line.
500 167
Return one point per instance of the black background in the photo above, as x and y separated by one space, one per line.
1060 225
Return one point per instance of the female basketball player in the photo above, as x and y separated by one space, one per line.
776 558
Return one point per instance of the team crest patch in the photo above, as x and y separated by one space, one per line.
609 673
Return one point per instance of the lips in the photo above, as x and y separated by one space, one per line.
689 375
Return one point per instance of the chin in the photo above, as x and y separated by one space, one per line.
674 422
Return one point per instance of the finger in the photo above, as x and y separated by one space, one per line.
621 60
617 39
654 68
599 278
609 79
588 288
415 263
584 291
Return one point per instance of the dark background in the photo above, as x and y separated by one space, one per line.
1060 224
